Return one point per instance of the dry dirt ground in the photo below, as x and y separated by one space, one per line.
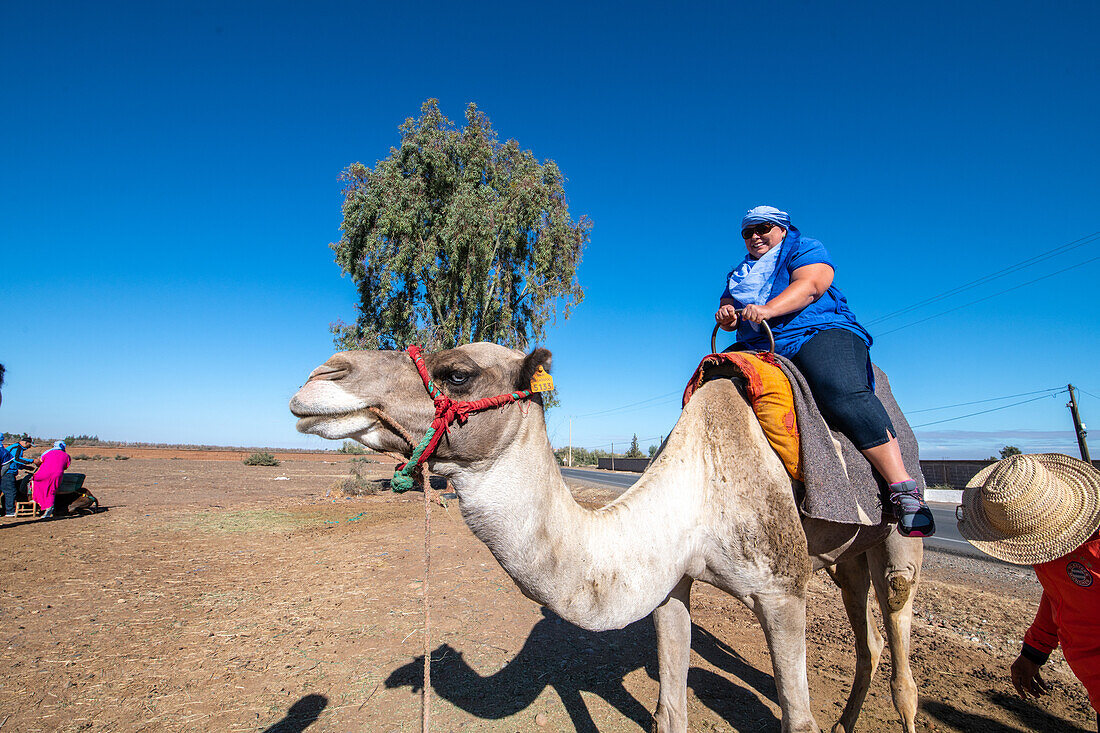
215 596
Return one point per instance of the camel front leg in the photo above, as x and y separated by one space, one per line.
895 571
783 616
673 621
854 581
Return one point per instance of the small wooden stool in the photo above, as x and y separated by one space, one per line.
26 508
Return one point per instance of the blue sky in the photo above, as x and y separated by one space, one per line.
169 189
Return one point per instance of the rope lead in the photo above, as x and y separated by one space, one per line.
447 411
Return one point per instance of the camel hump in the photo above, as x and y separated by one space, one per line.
768 392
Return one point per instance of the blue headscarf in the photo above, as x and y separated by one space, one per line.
751 281
760 214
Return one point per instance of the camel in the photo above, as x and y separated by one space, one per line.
715 505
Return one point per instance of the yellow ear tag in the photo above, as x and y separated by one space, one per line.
542 381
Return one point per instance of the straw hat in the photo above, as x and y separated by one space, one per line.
1031 509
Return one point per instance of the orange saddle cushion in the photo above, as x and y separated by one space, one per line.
770 397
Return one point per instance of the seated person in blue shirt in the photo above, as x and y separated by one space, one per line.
787 280
13 461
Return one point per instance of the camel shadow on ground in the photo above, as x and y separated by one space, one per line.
1029 716
570 660
301 715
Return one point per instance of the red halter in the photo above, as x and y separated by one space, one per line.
447 411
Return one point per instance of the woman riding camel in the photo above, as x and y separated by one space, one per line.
787 280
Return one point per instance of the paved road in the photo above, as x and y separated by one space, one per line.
947 537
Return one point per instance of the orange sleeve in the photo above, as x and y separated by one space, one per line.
1043 633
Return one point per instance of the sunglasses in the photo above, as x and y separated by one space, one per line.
761 229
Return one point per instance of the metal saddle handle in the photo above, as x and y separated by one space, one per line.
767 330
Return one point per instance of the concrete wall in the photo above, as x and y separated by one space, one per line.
624 464
951 473
957 474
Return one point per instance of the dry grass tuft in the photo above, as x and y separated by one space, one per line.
356 484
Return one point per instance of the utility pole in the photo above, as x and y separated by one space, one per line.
570 442
613 455
1078 427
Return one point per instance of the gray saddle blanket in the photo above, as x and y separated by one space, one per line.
844 488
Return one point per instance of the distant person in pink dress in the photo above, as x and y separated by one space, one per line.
51 467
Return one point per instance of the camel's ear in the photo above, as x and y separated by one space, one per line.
531 363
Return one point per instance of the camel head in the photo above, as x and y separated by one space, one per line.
335 402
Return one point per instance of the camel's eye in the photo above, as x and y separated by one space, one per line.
457 378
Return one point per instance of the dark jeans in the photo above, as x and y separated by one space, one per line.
7 483
838 369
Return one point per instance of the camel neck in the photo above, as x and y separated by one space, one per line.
600 569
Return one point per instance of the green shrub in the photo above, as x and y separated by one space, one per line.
363 459
82 457
263 458
121 457
351 448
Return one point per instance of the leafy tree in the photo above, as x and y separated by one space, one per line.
1010 450
456 237
581 456
634 451
653 450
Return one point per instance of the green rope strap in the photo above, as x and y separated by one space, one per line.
402 480
447 411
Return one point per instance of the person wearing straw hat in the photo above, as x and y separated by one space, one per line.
1043 510
786 279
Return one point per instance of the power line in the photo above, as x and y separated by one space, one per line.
994 295
982 412
1074 244
991 399
1044 393
987 278
665 402
632 404
1049 392
624 441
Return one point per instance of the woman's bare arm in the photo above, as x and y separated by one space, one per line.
808 283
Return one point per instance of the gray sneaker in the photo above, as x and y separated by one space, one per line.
914 517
